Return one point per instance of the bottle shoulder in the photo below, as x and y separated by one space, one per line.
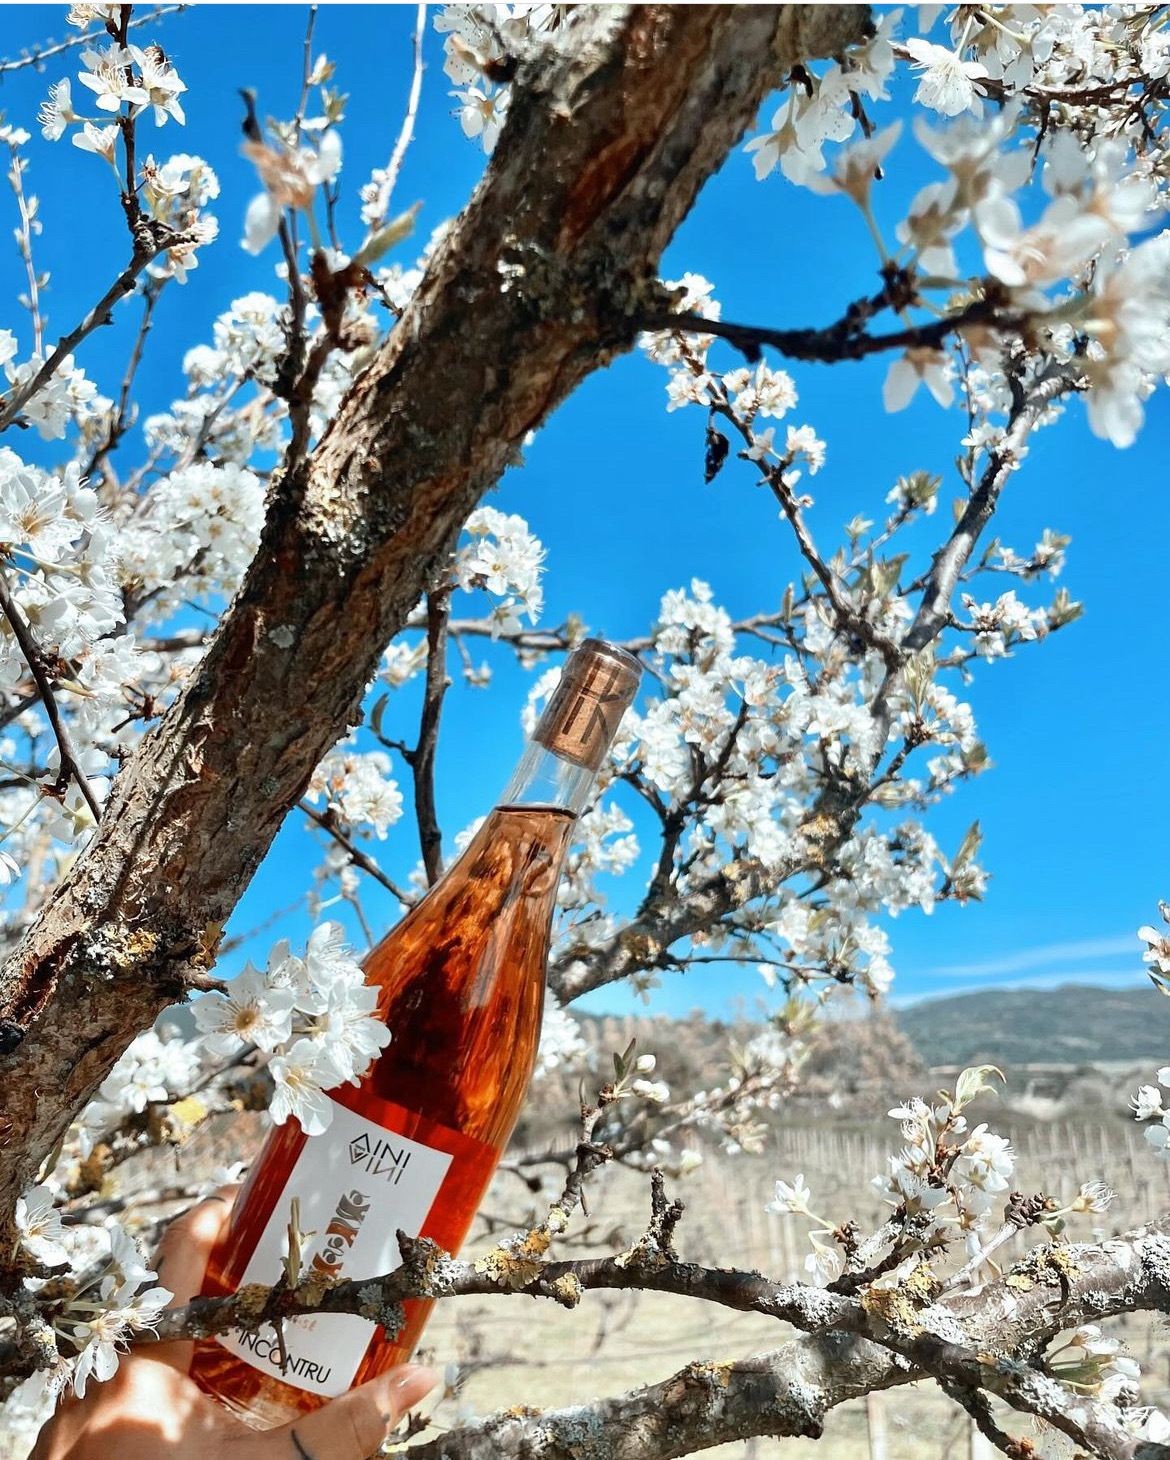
461 978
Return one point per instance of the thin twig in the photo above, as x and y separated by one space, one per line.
24 244
422 760
1097 95
389 178
840 341
970 1268
1028 404
40 54
559 640
327 822
293 362
978 1407
237 940
776 475
36 663
128 125
121 417
306 70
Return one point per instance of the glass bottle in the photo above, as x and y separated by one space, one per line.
414 1146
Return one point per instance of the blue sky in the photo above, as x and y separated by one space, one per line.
1072 811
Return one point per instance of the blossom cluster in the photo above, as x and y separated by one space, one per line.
105 1301
748 395
947 1179
150 1070
561 1043
358 787
1157 951
313 1016
764 733
191 537
478 39
1150 1103
504 557
763 1072
122 83
1095 289
59 557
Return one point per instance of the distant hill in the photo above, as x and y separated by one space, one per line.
1072 1024
888 1046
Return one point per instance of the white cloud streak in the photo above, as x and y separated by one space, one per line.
1082 978
1028 960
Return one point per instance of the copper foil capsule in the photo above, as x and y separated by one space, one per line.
598 683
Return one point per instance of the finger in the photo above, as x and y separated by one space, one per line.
181 1262
354 1426
181 1259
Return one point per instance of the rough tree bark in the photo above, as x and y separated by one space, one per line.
613 129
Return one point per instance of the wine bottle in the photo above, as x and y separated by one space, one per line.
414 1146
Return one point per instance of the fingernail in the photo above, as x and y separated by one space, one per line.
413 1382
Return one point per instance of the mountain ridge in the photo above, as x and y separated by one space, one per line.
1071 1024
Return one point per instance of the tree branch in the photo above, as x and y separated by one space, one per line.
577 969
38 55
952 558
844 340
121 417
12 404
389 179
878 1338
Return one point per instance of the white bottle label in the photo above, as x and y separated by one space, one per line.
358 1185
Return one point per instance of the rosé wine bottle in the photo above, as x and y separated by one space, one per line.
414 1146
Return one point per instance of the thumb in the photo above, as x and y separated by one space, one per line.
354 1426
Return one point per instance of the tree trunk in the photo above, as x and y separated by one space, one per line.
613 128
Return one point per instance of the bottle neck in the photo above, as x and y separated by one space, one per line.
544 779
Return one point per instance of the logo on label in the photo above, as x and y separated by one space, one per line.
340 1233
379 1158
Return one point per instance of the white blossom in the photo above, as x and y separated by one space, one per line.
250 1012
109 75
300 1076
1147 1103
561 1042
160 82
291 177
502 557
348 1030
56 111
358 785
101 140
790 1198
39 1225
947 83
854 168
920 365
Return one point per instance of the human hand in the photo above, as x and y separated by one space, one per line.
152 1409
